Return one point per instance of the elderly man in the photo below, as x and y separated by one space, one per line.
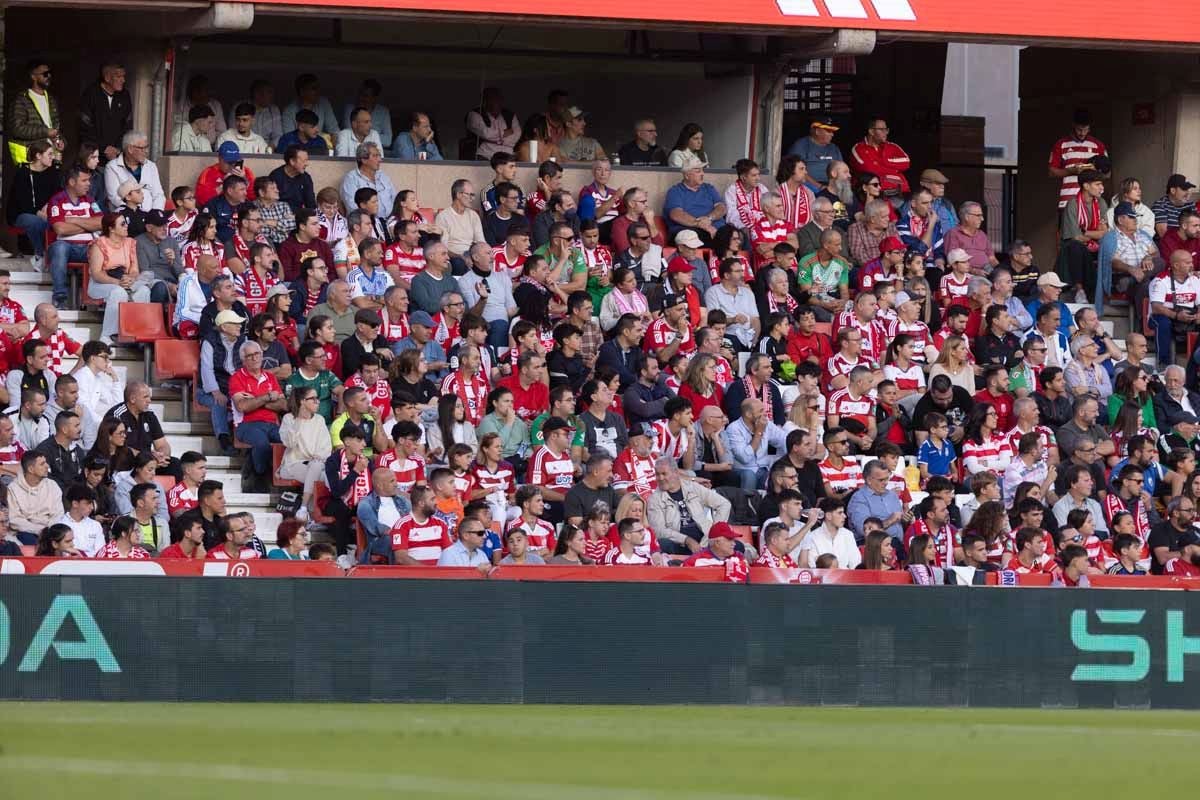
919 223
935 182
420 337
378 513
216 366
416 143
1083 428
643 256
1130 252
643 151
488 294
134 165
368 174
817 149
435 280
257 402
1050 288
693 203
868 233
1175 399
755 443
875 154
1174 297
968 235
1002 295
460 223
338 308
876 500
808 238
679 533
358 133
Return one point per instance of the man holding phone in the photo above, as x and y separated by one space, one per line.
212 178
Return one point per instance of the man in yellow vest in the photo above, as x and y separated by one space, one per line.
34 115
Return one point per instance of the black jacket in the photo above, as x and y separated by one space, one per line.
104 119
66 465
627 364
1167 410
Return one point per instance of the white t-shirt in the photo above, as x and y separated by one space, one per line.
1172 293
89 536
841 545
388 515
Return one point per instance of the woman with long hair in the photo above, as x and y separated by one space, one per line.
111 448
633 506
57 541
900 367
878 552
407 206
112 271
407 375
727 243
306 441
535 144
990 521
502 419
867 187
625 298
690 142
1191 487
596 523
1127 425
922 551
952 362
125 541
320 329
569 550
492 473
202 241
930 313
984 447
1133 388
279 302
700 387
452 428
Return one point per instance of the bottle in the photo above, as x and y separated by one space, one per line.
912 476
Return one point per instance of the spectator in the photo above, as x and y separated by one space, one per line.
733 297
34 117
817 149
1174 400
1174 297
1075 154
825 275
886 159
62 450
417 144
158 258
34 501
137 495
1083 428
839 193
380 116
267 121
358 414
1079 487
357 133
536 143
34 184
694 204
81 504
368 174
488 294
868 234
504 214
598 202
233 540
495 129
605 430
1085 375
113 267
919 224
574 145
750 438
309 98
682 512
292 180
305 242
106 111
1170 207
216 367
195 135
460 223
241 133
211 182
277 219
1082 225
516 543
134 164
420 338
689 147
594 490
791 178
560 208
643 151
75 220
969 236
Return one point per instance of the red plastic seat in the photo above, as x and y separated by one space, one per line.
177 359
167 482
277 451
427 214
320 497
142 323
823 327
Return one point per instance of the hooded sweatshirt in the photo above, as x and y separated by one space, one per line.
32 508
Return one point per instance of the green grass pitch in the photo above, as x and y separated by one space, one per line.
337 752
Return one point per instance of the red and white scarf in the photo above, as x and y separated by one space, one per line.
790 304
749 208
359 489
1088 214
636 306
765 396
797 206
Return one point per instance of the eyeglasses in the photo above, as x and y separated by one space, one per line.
268 329
640 238
876 184
42 74
459 303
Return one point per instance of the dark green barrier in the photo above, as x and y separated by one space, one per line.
98 638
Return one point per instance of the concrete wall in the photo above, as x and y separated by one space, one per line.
981 81
1111 86
432 180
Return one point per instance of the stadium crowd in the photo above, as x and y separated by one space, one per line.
830 352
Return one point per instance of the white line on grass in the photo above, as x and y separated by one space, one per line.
355 780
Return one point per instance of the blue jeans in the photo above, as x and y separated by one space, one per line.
259 435
58 256
220 413
35 228
751 480
498 334
1164 338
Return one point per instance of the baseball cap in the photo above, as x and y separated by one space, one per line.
229 152
933 176
891 243
678 265
689 238
824 123
1189 536
419 318
722 530
1186 416
1178 181
576 112
126 187
158 217
278 289
902 298
1051 279
368 317
556 424
229 315
1124 210
672 300
642 429
956 255
691 161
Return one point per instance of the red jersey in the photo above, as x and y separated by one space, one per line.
61 208
424 541
464 484
61 346
840 365
208 185
797 205
953 288
242 382
714 268
192 252
528 402
1044 434
503 263
874 334
247 553
501 479
539 532
551 471
841 479
887 160
667 444
393 329
801 346
845 407
1181 569
333 358
615 558
445 333
660 334
472 391
405 264
633 473
253 289
1045 565
110 551
180 229
873 272
918 330
907 380
380 394
409 471
1113 504
176 551
1068 152
11 312
180 498
944 541
1003 405
939 342
769 559
769 232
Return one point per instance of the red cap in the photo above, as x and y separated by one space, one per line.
678 265
722 530
890 243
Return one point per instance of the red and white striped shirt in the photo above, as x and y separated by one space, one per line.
771 232
245 554
445 333
1043 565
472 391
180 498
1045 434
393 329
944 541
1069 151
193 251
615 558
539 532
61 208
406 264
797 205
424 541
380 394
845 406
840 365
180 229
504 264
993 455
769 559
409 471
11 312
918 330
939 342
953 288
874 334
253 289
633 473
61 346
501 479
910 380
551 471
666 444
840 479
660 334
110 551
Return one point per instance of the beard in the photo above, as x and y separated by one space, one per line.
843 189
1195 559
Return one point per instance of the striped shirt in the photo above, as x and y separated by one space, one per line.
841 479
364 285
1069 152
424 541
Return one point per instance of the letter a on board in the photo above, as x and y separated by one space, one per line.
93 647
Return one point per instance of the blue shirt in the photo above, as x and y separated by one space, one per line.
936 460
403 148
220 208
280 554
946 213
315 146
432 351
698 202
816 157
373 285
382 185
738 436
1065 322
457 555
1150 475
865 503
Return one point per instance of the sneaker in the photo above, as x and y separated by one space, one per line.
302 514
5 254
1081 297
38 263
62 305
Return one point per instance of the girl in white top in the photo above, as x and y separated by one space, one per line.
306 436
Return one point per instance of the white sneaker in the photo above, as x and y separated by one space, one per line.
38 263
5 254
1081 297
302 514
